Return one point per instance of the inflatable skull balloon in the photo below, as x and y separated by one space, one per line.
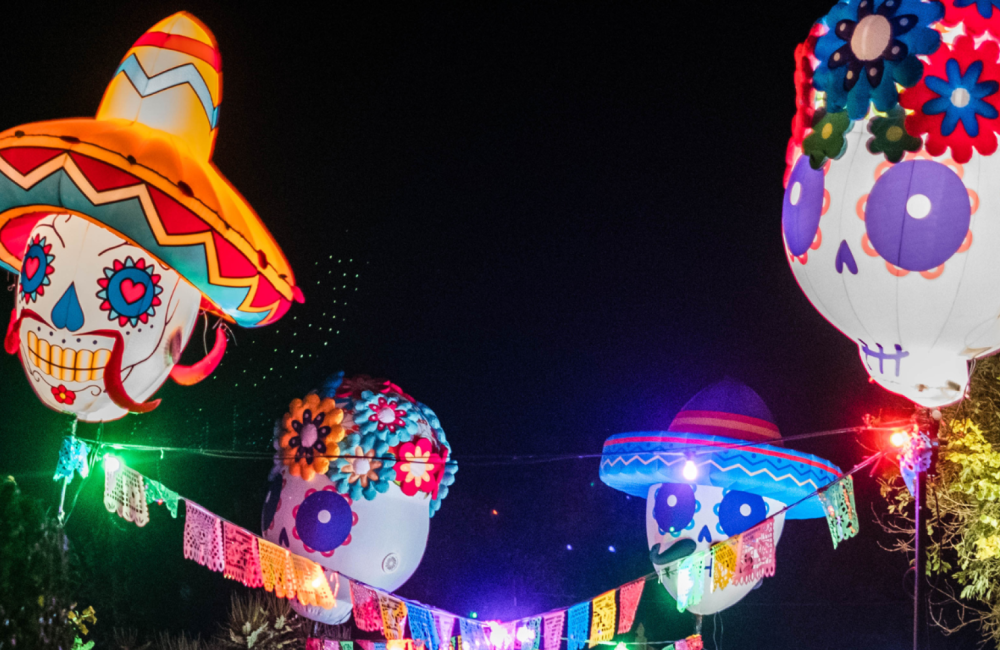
360 469
121 230
101 322
891 209
733 490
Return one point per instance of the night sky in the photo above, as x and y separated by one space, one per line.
550 223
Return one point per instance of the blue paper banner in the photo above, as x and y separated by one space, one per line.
422 626
579 626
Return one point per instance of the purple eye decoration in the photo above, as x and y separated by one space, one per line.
130 292
36 267
918 215
323 521
802 207
674 507
741 511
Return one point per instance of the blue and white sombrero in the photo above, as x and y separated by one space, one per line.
713 430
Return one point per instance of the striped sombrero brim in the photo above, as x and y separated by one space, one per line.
631 462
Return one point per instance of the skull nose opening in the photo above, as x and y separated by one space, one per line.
67 313
704 535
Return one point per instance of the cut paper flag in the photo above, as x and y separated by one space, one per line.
241 556
124 494
691 643
72 458
276 569
159 493
841 512
602 621
534 636
202 537
755 559
473 635
380 645
691 580
724 556
629 597
552 630
344 645
578 626
422 626
367 613
365 645
393 616
311 585
444 624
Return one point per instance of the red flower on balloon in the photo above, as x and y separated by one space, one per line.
418 468
957 103
63 395
976 16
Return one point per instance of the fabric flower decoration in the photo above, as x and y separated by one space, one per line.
870 48
804 92
418 468
448 469
889 136
975 16
827 139
364 474
956 102
310 432
63 395
391 419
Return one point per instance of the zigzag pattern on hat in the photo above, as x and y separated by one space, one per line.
813 478
185 74
129 208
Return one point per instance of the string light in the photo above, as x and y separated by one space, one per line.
525 635
112 463
898 438
690 470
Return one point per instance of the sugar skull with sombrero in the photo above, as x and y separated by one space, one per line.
122 230
736 487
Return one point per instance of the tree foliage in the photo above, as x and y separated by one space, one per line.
964 510
36 610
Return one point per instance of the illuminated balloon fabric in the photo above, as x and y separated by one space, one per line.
735 489
142 171
97 314
358 474
891 213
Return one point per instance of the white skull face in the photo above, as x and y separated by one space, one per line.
689 518
88 301
379 542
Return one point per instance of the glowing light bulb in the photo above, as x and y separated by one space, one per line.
690 470
898 438
621 646
525 635
112 463
316 583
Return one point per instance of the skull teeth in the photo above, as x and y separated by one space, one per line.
66 364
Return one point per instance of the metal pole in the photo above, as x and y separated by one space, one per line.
919 547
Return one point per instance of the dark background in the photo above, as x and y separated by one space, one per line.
550 223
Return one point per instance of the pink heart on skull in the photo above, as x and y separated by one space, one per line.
132 291
31 267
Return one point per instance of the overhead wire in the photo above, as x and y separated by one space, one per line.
492 460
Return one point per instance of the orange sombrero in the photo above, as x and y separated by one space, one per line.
143 169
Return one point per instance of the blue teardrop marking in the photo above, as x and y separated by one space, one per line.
846 258
67 313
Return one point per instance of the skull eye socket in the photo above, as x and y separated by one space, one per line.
741 511
36 267
674 507
130 291
324 520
